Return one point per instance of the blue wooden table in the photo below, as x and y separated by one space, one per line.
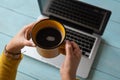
14 14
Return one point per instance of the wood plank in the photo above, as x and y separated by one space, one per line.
107 60
38 69
28 8
3 41
111 34
22 76
99 75
11 22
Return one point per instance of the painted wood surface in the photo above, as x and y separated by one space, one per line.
14 14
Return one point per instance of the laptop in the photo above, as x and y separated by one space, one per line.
84 24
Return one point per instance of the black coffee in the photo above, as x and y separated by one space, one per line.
48 37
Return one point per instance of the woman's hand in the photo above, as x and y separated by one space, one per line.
71 62
20 40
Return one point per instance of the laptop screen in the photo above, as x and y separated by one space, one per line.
42 4
85 15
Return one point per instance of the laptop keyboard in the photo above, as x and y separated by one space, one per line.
80 13
85 42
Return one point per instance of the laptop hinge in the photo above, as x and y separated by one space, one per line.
75 26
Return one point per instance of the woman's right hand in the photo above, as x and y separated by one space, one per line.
69 67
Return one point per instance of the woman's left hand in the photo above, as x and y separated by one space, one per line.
21 39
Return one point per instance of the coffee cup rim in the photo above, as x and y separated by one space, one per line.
48 47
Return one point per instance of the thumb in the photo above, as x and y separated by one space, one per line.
29 43
68 48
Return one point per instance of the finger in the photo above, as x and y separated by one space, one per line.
68 48
75 45
78 53
28 34
29 43
77 50
28 28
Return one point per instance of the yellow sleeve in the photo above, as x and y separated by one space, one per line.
8 67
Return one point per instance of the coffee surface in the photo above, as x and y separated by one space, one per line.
48 37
